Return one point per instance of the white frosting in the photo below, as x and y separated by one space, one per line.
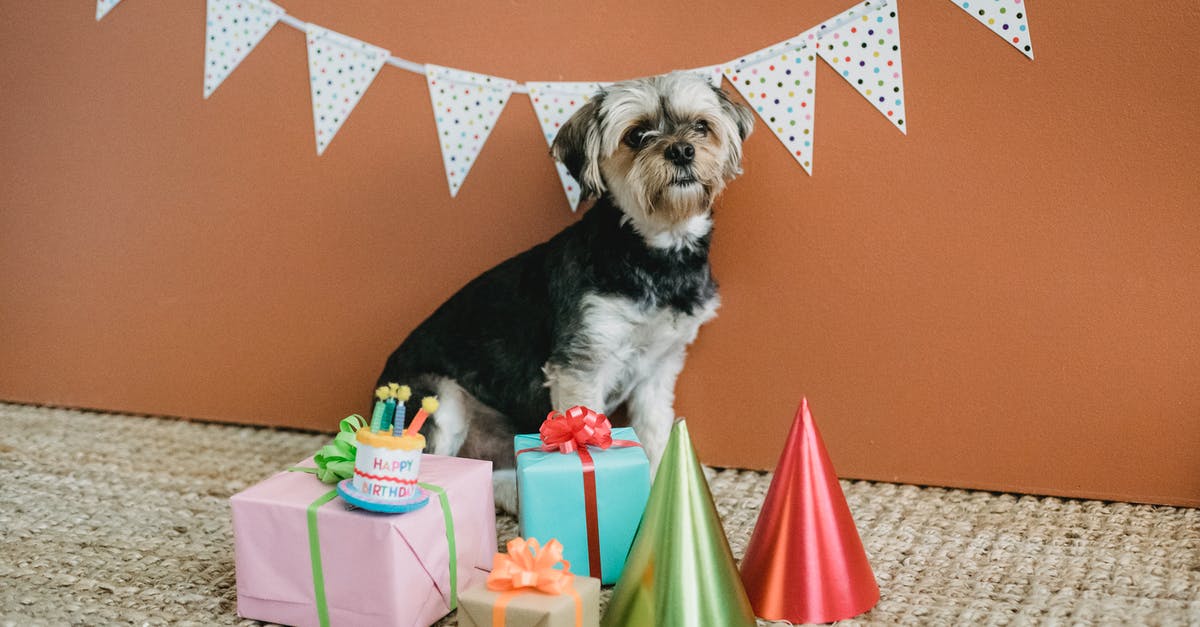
393 472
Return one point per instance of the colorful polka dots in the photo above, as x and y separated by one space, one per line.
466 106
779 83
340 69
554 104
863 46
1006 18
233 28
103 7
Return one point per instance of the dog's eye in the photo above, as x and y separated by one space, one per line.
635 137
700 126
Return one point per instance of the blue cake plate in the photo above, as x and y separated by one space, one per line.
355 497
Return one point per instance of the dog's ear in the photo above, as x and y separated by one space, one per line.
738 112
742 119
577 146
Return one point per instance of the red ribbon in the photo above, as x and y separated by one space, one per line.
577 427
573 432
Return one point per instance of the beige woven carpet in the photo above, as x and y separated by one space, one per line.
125 520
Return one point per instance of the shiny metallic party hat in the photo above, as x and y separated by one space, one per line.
680 571
805 562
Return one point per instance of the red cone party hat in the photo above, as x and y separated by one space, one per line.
805 562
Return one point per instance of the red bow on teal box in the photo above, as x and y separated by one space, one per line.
586 483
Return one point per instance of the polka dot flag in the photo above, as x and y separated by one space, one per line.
466 106
712 73
554 104
1006 18
779 83
234 27
103 7
863 45
340 69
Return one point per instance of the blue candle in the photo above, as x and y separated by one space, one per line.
399 419
401 393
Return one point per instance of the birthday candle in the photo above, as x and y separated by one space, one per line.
381 393
389 408
402 394
429 404
389 412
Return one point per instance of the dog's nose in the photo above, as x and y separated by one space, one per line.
681 153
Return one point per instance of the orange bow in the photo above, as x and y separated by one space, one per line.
577 427
528 565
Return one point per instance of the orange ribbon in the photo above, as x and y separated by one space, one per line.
528 567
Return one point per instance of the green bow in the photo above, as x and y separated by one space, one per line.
335 461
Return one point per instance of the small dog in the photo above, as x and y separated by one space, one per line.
602 313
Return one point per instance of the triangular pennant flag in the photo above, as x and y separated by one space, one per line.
805 562
779 83
234 27
863 45
466 106
713 73
680 570
103 7
340 69
1006 18
554 104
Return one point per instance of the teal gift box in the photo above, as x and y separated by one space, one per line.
552 489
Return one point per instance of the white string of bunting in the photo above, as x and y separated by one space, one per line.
862 44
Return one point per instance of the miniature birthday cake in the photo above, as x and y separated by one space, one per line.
386 465
388 459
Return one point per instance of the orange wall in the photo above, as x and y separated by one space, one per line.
1006 298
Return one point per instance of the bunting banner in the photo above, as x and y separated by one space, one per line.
1006 18
103 7
466 106
232 30
340 69
863 45
780 83
713 73
554 104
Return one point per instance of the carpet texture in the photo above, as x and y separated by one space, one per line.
108 519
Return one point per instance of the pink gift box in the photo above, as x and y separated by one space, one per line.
379 569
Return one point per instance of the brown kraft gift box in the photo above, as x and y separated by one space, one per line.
531 608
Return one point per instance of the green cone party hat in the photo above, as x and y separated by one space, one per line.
680 571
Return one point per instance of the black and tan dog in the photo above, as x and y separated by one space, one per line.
602 313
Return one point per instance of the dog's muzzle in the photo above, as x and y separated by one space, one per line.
683 178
